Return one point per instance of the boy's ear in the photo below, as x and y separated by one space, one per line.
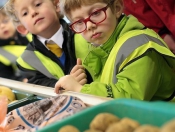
21 29
56 3
118 5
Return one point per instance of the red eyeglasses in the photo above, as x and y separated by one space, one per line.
95 17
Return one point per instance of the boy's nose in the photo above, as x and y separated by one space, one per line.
34 14
33 11
2 25
90 25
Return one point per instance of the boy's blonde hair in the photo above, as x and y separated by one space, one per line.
69 5
2 12
10 11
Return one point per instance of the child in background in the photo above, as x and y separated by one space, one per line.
134 61
43 20
12 45
158 15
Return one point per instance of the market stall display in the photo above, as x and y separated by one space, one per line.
150 113
145 113
36 102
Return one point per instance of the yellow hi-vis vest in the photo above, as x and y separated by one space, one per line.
34 60
125 51
10 53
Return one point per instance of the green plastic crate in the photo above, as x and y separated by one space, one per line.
23 99
154 113
21 95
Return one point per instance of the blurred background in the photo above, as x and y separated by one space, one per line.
2 2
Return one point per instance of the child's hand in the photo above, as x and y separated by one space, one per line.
170 41
69 83
78 72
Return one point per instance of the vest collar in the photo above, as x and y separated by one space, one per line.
97 57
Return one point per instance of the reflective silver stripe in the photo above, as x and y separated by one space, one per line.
35 62
129 46
12 58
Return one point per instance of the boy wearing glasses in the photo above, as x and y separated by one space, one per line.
12 45
133 61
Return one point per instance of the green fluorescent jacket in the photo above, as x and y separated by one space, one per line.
133 63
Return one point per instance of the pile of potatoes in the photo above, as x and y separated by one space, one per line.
106 122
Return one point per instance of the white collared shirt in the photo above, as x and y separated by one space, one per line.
57 38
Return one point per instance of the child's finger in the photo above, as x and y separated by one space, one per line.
79 62
57 87
78 72
80 77
56 91
84 81
77 68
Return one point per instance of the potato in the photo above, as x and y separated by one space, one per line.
91 130
102 121
68 128
132 123
119 127
169 126
147 128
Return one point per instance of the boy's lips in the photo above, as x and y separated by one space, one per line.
96 35
37 20
6 32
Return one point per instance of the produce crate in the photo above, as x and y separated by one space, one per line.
154 113
23 99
